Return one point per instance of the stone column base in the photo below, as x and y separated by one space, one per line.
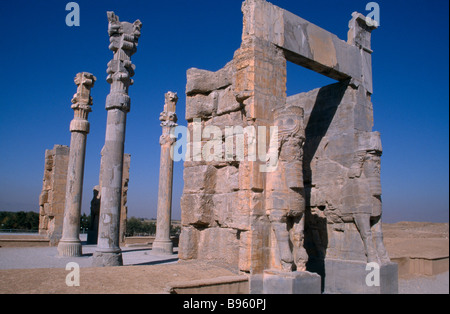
354 277
163 246
69 248
107 259
279 282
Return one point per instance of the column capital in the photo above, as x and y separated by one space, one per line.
82 102
123 37
82 99
168 117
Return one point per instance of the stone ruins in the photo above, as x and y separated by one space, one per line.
70 244
124 39
96 199
53 195
168 118
52 198
320 210
303 218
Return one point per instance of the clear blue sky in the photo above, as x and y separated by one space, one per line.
40 56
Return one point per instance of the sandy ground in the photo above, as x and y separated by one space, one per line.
115 280
438 284
38 270
417 239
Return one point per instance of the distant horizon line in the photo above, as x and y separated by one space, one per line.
178 220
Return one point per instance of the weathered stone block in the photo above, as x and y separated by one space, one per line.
203 82
251 203
219 244
227 101
223 208
344 241
201 106
245 246
227 179
197 209
250 176
188 244
256 284
228 120
353 277
278 282
200 179
233 210
52 197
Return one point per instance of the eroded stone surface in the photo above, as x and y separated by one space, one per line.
323 200
70 244
52 197
168 119
123 42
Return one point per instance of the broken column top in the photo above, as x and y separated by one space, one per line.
360 30
123 35
82 99
82 102
370 142
171 102
169 117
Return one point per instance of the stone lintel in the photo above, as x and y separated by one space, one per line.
306 44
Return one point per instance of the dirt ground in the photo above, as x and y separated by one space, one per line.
408 229
403 238
114 280
417 239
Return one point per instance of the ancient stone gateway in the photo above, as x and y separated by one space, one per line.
314 201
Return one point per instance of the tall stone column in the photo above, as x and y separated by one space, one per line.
124 39
168 118
70 244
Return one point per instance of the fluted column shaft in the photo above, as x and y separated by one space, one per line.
70 244
168 118
124 38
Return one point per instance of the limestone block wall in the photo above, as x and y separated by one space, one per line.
226 204
223 214
52 197
338 120
211 189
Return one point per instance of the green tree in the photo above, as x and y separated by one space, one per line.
138 226
85 222
27 221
